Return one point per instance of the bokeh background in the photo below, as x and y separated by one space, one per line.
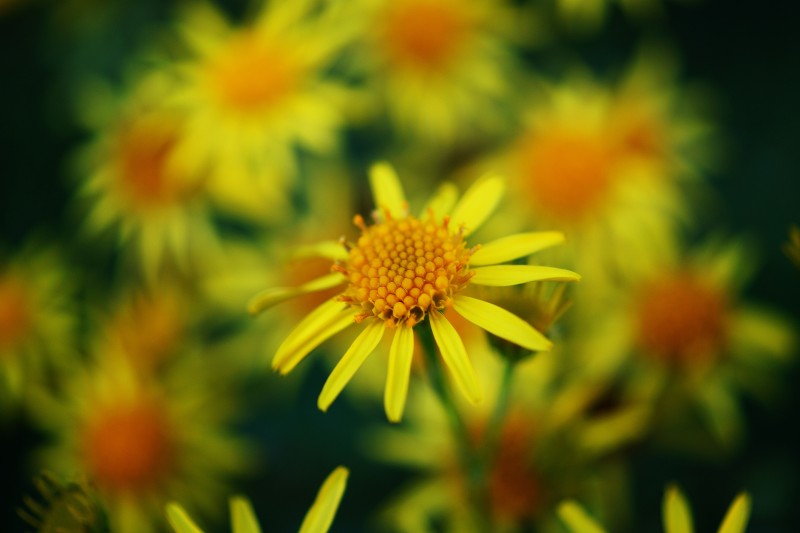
745 57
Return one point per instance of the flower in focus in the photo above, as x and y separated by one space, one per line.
36 319
140 180
440 67
252 94
139 442
677 516
404 271
243 520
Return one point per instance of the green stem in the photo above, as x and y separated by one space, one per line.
471 460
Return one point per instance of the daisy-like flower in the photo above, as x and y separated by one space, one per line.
139 442
602 164
140 181
541 451
254 93
36 319
694 337
243 520
406 271
440 67
677 515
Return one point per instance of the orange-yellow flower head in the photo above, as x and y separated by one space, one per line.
400 270
404 270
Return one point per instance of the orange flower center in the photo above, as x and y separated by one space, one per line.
424 34
568 173
681 318
15 315
514 487
401 269
641 133
252 74
129 448
145 177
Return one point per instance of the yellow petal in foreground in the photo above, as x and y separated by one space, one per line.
322 323
387 190
320 516
442 201
179 520
400 356
275 295
514 247
576 518
243 518
737 516
350 362
505 275
677 516
500 322
478 203
455 356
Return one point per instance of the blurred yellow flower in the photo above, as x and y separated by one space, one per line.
677 516
140 442
243 520
252 94
404 269
606 165
441 68
140 180
36 319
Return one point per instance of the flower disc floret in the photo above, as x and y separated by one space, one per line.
399 270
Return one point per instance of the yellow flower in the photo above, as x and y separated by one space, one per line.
606 165
405 270
140 180
440 67
36 319
318 519
677 516
253 94
140 442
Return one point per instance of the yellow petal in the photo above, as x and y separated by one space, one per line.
275 295
400 355
515 246
179 520
677 516
478 203
322 323
364 344
442 201
332 250
455 356
243 518
505 275
576 518
500 322
319 518
737 516
387 190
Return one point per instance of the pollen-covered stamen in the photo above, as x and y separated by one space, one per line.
401 269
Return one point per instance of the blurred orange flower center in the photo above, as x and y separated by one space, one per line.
424 34
129 448
568 173
401 269
681 317
144 149
514 490
15 316
640 133
252 74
